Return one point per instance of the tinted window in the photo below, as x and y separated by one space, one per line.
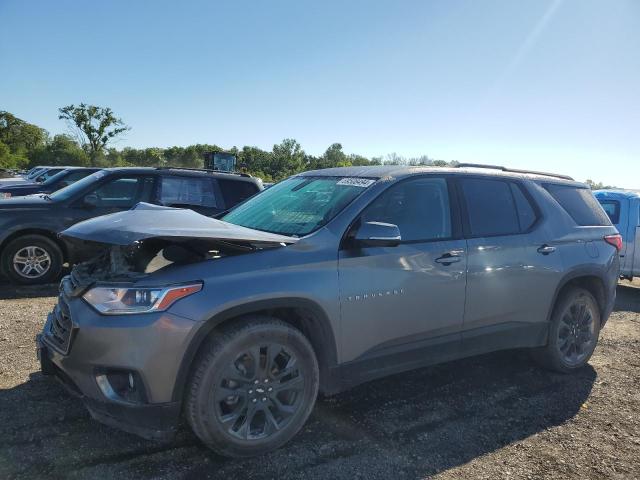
77 175
77 187
124 192
580 204
491 207
420 209
73 177
48 174
187 191
235 192
35 172
526 214
55 179
612 209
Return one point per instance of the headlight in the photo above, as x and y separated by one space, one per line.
5 195
117 301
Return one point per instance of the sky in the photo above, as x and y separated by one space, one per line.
540 84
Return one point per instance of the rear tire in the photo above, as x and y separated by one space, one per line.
573 333
253 387
31 260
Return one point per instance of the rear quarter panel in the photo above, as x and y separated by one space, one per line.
583 251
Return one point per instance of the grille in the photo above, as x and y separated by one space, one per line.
61 326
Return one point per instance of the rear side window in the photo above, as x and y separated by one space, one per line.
235 192
526 214
48 174
196 191
579 203
612 209
74 177
496 207
123 192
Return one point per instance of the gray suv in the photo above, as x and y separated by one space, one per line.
325 280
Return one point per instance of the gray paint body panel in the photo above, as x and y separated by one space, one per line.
391 294
502 285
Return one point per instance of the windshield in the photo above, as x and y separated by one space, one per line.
34 173
67 192
55 178
299 205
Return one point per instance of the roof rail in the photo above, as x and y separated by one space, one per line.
513 170
241 174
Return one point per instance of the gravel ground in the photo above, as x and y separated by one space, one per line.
495 416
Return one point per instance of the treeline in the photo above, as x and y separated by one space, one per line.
23 145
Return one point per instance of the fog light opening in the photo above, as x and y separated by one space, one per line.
121 386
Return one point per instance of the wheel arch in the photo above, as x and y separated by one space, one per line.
303 314
588 279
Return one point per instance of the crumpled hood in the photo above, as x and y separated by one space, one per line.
146 221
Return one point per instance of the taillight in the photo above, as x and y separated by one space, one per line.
615 240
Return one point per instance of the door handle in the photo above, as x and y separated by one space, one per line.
546 249
449 258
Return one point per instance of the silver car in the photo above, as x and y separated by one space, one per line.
323 281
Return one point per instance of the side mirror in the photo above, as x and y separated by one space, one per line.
377 234
91 200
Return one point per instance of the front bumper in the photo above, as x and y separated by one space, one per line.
151 421
150 345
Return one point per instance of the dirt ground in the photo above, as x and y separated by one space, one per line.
495 416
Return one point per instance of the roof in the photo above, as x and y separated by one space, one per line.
617 193
184 171
399 171
80 168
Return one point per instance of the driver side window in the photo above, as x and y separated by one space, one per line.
124 192
420 208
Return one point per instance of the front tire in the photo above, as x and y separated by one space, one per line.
253 387
573 333
31 260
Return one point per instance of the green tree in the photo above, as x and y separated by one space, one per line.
20 138
287 159
94 126
598 185
146 157
255 161
62 150
11 160
359 160
113 158
334 157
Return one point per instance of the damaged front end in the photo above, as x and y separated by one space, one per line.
148 238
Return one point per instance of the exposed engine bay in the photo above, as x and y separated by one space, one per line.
147 238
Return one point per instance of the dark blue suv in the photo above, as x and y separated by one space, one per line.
56 182
30 250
